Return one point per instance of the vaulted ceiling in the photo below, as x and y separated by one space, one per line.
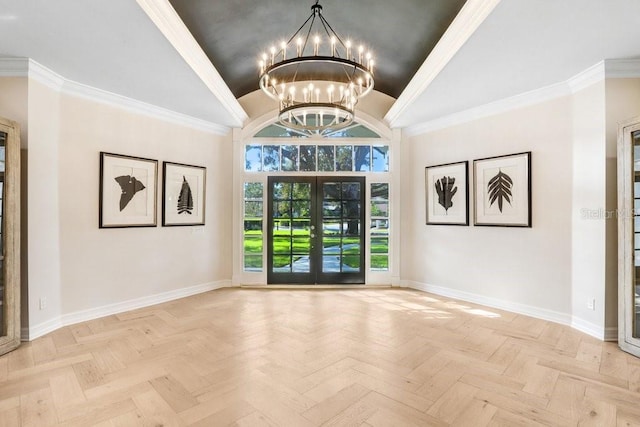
196 57
401 33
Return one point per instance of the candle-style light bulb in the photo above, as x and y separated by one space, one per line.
316 46
273 54
330 93
360 53
299 46
333 45
305 94
371 64
261 63
348 45
283 46
317 94
368 59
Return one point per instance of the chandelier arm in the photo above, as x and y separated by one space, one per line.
306 39
326 24
301 27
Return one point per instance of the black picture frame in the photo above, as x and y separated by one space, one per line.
183 194
127 191
502 187
447 194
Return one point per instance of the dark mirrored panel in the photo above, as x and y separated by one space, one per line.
636 234
3 139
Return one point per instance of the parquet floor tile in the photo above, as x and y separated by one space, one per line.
305 357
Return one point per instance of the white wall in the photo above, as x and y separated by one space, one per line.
528 269
109 266
569 256
80 270
43 203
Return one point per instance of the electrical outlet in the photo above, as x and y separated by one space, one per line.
43 303
591 304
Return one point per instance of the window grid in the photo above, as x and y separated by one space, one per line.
379 227
253 231
312 158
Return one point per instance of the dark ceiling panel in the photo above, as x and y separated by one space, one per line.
400 33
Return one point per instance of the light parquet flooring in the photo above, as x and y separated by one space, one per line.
248 357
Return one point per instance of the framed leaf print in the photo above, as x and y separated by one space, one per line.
128 191
503 190
447 194
183 194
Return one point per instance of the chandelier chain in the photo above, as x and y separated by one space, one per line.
317 90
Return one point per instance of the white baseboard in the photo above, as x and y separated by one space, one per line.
605 334
528 310
51 325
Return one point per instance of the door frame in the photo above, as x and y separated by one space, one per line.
316 276
626 241
11 238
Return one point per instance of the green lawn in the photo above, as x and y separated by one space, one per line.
284 239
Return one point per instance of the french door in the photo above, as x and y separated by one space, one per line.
315 230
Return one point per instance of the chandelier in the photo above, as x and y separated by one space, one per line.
316 77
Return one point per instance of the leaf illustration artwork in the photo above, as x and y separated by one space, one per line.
129 186
500 189
185 200
446 190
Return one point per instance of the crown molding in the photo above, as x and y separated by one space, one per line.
173 28
80 90
519 101
622 68
472 14
14 67
25 67
607 69
588 77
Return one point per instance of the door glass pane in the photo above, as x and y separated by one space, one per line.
636 234
291 233
341 228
